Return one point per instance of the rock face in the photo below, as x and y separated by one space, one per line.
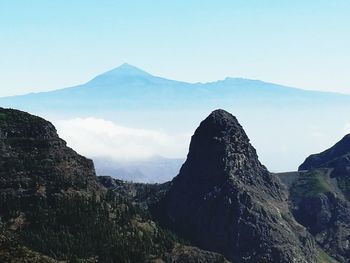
327 217
224 200
38 173
337 159
34 161
321 198
337 155
53 208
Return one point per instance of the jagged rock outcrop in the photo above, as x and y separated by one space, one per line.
226 201
54 208
337 159
318 204
34 161
320 198
327 217
38 175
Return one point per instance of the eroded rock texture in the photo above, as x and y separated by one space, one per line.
226 201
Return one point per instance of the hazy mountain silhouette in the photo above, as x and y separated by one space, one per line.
287 117
128 87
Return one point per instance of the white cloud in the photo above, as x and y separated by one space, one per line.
95 137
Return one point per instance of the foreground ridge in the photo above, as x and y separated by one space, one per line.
53 208
223 204
320 198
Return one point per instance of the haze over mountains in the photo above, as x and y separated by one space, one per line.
129 115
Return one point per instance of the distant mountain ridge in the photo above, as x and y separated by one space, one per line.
131 97
114 80
127 71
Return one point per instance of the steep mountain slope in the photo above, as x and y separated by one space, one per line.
339 154
51 202
12 251
224 200
319 205
35 160
338 159
320 195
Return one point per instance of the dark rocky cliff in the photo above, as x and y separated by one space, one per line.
54 208
224 200
337 160
320 198
34 161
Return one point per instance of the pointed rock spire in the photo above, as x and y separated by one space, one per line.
220 149
224 200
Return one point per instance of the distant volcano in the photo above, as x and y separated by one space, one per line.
287 118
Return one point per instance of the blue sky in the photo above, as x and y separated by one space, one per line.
53 44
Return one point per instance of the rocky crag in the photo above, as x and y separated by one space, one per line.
54 208
224 204
320 195
226 201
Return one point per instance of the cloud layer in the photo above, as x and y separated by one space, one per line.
95 137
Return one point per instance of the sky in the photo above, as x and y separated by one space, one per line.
46 45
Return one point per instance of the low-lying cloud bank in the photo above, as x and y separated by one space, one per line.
281 148
95 137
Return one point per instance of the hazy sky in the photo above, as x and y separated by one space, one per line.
53 44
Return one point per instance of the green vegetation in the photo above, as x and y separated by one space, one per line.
51 201
107 228
12 251
311 184
323 257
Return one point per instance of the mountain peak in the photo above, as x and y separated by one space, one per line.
121 73
219 149
221 120
127 70
221 113
217 199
